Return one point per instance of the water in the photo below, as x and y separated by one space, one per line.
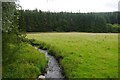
53 69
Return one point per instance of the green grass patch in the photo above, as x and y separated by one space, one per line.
23 62
83 55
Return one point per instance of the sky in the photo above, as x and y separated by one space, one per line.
71 5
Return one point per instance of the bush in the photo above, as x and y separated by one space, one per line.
113 28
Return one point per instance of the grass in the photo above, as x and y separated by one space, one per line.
82 55
24 62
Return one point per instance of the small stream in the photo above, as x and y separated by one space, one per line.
53 69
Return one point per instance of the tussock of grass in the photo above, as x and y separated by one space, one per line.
83 55
25 62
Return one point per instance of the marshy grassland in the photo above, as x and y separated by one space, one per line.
82 55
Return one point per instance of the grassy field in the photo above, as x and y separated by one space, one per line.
82 55
23 61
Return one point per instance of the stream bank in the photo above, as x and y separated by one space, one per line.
53 70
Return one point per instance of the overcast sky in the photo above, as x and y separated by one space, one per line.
71 5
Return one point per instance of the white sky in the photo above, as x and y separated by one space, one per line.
71 5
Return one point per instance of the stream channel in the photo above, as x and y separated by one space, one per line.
53 70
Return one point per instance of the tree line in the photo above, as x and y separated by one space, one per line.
39 21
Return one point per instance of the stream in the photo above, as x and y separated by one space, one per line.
53 69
